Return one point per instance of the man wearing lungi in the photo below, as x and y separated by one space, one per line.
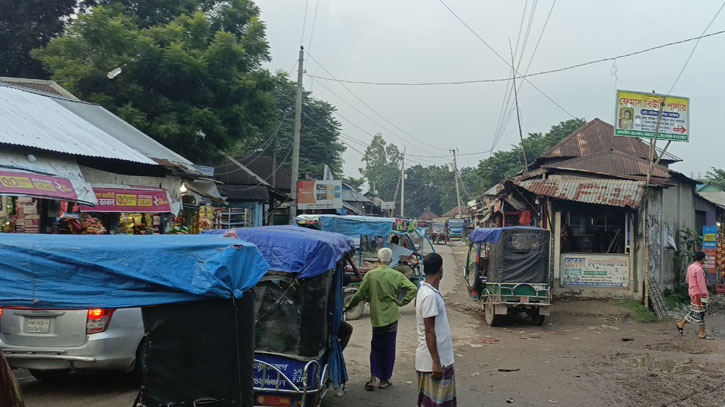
381 287
699 297
434 355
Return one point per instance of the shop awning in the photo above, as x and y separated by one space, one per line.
130 199
43 177
613 192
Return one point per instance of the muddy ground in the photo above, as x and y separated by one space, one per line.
589 353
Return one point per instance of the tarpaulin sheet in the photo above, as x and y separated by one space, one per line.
492 235
292 249
360 225
520 255
116 271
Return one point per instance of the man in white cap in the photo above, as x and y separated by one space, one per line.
381 288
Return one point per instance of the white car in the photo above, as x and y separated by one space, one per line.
52 343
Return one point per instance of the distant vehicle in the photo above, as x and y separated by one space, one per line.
456 228
52 343
439 233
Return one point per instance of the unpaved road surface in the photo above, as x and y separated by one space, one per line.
589 353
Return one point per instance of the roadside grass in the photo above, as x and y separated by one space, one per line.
676 298
639 312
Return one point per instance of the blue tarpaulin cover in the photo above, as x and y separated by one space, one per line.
491 235
292 249
117 271
359 225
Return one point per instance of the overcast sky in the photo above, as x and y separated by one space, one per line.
421 41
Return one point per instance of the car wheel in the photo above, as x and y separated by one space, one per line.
50 375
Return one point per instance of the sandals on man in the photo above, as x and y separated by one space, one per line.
706 337
385 386
680 329
369 386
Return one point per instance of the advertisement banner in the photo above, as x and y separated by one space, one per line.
637 114
709 246
134 200
595 270
319 194
19 183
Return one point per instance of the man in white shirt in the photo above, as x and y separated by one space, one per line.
434 355
400 253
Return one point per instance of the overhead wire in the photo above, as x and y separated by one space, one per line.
304 23
540 73
365 115
371 109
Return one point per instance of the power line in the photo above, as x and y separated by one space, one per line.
314 23
369 107
695 47
540 73
304 22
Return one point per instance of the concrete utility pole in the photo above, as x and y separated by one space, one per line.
296 146
402 185
458 191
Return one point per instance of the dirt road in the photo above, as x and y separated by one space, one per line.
589 353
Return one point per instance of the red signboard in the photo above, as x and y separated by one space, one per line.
21 183
710 256
153 200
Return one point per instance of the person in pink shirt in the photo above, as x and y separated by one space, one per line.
699 297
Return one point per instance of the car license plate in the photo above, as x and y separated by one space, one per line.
524 299
38 325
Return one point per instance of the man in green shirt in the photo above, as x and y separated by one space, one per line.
381 287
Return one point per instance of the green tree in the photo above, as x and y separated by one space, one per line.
716 177
355 183
505 164
382 167
190 83
29 24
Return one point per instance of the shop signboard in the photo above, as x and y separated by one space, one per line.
709 246
637 114
46 186
595 270
387 206
319 194
130 200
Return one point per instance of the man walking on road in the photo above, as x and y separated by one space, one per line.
699 297
434 355
380 287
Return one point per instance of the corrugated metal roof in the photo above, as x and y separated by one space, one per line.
33 120
40 85
351 195
124 132
613 192
716 197
612 163
596 137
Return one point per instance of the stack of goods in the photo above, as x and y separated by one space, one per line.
206 218
177 226
92 226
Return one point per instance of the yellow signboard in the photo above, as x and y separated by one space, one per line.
638 112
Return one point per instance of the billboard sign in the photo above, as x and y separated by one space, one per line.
319 194
387 205
709 246
637 112
595 270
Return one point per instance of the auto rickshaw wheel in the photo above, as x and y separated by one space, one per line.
536 318
489 313
357 311
474 277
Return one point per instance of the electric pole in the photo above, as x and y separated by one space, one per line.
402 185
458 191
296 145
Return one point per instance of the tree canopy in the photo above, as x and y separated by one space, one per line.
505 164
29 24
382 167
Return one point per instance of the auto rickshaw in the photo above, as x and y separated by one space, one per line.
298 355
372 233
439 233
508 271
194 294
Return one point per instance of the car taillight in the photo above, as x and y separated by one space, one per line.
98 319
271 400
